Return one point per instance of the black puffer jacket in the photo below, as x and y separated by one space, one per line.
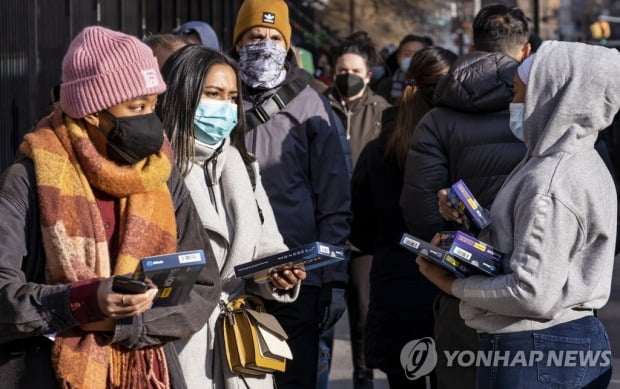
466 136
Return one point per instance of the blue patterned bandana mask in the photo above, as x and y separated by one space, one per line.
262 64
214 120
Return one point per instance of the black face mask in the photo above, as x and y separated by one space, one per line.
134 138
349 84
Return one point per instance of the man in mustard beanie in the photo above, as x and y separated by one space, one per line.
263 13
302 152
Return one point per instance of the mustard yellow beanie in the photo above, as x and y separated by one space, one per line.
263 13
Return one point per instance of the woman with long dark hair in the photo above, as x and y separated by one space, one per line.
202 115
401 299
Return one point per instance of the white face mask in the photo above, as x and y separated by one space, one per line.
517 111
404 64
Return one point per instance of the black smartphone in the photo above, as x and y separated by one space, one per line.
122 284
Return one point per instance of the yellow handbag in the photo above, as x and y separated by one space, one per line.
255 341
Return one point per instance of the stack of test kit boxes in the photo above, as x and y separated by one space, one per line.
458 251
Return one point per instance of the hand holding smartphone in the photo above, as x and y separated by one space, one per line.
128 285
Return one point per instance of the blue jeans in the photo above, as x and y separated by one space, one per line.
575 354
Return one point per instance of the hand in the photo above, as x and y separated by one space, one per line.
436 274
118 305
288 278
332 304
446 210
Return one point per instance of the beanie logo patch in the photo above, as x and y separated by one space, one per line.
150 78
269 17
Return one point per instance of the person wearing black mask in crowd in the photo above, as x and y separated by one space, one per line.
357 106
95 189
360 110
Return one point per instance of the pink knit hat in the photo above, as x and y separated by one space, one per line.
103 68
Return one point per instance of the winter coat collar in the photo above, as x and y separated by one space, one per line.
478 82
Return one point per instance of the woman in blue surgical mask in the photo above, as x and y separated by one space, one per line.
205 123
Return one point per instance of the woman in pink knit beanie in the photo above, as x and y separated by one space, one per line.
95 190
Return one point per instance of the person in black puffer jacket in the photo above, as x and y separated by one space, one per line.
378 225
466 136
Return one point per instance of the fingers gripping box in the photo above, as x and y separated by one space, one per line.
174 274
463 200
311 256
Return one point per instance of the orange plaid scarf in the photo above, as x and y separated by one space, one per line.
67 167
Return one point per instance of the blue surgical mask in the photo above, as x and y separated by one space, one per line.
377 72
516 119
404 64
214 120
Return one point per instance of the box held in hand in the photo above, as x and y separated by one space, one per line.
474 253
462 199
435 254
312 256
174 274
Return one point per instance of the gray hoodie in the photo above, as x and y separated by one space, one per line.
555 215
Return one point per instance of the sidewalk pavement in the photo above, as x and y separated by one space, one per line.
341 373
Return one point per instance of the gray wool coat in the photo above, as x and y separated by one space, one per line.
230 214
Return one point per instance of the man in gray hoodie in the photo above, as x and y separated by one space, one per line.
555 220
466 136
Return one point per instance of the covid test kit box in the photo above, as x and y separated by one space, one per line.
174 274
435 254
477 255
462 199
311 256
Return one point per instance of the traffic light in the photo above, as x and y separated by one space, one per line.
600 30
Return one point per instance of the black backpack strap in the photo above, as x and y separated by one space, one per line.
267 109
252 174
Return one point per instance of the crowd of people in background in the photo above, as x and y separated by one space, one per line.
176 143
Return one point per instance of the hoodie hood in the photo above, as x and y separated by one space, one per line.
207 35
573 92
478 82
